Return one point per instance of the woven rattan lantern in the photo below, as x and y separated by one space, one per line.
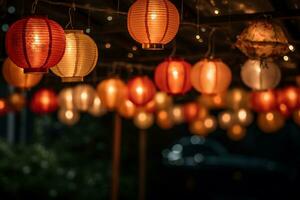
153 23
210 76
35 43
97 108
112 92
263 101
173 76
143 120
80 57
260 74
16 77
270 122
141 90
44 101
68 117
263 39
83 97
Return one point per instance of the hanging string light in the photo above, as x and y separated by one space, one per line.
16 77
260 74
35 43
153 23
173 76
80 57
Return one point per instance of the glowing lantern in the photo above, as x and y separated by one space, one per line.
203 127
80 57
83 97
141 90
143 120
263 39
164 119
263 101
213 101
194 111
35 43
210 123
270 122
68 117
237 98
173 76
149 107
152 23
16 77
244 117
127 109
226 119
210 76
260 74
177 114
3 107
97 108
112 92
16 101
296 117
65 98
162 100
288 100
236 132
44 101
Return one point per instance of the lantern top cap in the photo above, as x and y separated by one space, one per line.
67 31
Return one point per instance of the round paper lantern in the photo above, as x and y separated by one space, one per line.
177 114
194 111
210 76
16 101
68 117
263 39
44 101
203 127
141 90
237 98
263 101
65 99
112 92
260 74
83 97
164 119
150 107
288 100
153 23
173 76
296 117
3 107
16 77
143 120
35 43
210 123
97 108
226 119
213 101
244 117
270 122
80 57
236 132
127 109
162 100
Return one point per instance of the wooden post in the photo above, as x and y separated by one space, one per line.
10 122
142 164
116 157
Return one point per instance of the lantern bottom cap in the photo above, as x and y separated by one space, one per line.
153 46
72 79
35 70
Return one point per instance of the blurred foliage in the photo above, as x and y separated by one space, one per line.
61 163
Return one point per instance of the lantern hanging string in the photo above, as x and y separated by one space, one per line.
210 51
173 49
34 6
70 23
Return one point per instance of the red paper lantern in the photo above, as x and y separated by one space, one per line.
141 90
44 101
264 101
210 76
3 107
288 100
190 111
173 76
35 43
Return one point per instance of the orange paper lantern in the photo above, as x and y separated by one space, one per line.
153 23
143 120
3 107
210 76
236 132
65 99
35 43
164 119
173 76
237 98
288 100
44 101
97 108
127 109
16 101
270 122
83 97
177 114
263 101
226 119
141 90
15 76
162 101
68 117
112 92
